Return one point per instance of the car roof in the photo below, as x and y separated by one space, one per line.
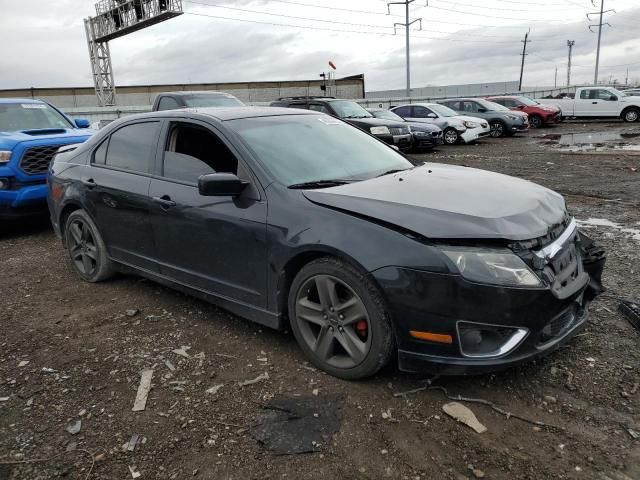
227 113
185 93
504 96
20 100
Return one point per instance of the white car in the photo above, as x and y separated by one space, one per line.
599 102
456 128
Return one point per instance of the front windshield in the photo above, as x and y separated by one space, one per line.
308 148
529 102
618 92
442 111
203 101
497 106
349 109
489 106
30 116
387 115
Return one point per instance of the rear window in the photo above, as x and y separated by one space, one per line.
203 101
30 116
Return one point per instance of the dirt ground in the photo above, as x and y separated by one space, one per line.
85 354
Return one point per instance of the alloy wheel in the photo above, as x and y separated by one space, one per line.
497 129
333 321
450 137
535 121
631 116
82 247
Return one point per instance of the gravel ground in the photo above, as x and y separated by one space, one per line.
71 351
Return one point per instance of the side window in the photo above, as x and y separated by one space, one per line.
168 103
131 147
303 106
468 107
100 155
402 111
421 112
604 95
509 103
316 107
588 94
192 151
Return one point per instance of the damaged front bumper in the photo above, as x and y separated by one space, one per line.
490 327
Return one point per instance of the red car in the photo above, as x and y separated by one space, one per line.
539 115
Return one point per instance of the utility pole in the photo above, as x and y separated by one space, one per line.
570 44
524 54
555 80
599 25
406 25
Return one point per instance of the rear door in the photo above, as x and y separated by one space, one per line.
117 187
215 244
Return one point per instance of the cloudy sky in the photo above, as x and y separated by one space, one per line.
42 42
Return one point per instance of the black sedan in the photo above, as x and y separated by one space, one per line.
295 218
425 135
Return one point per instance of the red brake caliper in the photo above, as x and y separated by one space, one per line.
361 328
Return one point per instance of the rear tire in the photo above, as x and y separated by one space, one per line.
631 115
338 317
451 136
86 252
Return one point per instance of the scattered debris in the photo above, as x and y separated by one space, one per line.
297 425
48 370
634 433
182 351
464 415
132 313
315 392
134 474
74 427
631 311
23 363
133 442
213 390
170 365
386 415
259 378
4 399
550 399
224 355
143 391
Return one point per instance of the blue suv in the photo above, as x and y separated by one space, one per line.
31 131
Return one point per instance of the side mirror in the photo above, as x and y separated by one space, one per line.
482 110
613 98
82 123
432 115
520 107
221 185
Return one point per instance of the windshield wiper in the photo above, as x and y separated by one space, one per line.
356 116
320 184
389 172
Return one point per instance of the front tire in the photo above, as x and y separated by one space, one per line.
631 115
338 317
535 121
498 129
87 253
451 136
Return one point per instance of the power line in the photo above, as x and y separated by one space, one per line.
489 16
407 23
599 25
502 8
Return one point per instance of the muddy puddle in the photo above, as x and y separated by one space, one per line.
595 142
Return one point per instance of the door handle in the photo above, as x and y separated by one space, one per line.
594 103
164 201
90 183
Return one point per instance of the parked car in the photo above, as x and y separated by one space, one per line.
456 128
204 99
599 102
425 136
502 123
539 115
297 220
632 92
31 131
389 131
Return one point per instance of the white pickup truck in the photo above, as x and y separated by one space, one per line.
598 102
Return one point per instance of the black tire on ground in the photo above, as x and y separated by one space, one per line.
451 136
498 129
535 121
86 251
338 317
631 115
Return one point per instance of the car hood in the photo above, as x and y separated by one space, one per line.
423 127
466 118
374 122
8 140
450 202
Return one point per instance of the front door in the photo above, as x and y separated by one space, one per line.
117 186
216 244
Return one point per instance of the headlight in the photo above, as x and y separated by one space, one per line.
419 133
470 124
497 267
512 117
379 131
5 156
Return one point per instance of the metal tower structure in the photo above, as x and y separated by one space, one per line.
114 19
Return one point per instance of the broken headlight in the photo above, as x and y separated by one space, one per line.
493 266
